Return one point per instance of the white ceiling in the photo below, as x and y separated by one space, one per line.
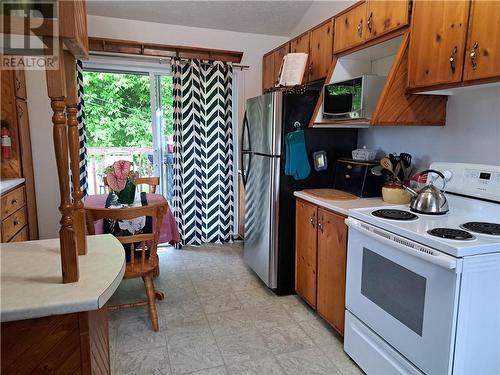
260 17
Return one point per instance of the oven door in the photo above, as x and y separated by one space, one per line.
405 292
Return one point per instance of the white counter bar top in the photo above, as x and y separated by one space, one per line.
10 183
341 206
31 285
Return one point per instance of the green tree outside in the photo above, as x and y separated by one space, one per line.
118 109
118 114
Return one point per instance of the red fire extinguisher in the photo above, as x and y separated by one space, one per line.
6 141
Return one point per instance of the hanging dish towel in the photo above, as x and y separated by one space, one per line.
296 163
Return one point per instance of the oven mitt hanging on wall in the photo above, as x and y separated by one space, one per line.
296 163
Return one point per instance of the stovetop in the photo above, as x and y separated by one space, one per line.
462 210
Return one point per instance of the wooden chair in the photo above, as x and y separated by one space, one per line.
153 182
144 262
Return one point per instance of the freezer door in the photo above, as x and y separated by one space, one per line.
260 251
264 123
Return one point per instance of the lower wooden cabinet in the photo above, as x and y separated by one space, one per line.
306 251
75 343
14 220
332 256
321 254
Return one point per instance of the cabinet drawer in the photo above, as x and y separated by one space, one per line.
13 224
12 201
22 235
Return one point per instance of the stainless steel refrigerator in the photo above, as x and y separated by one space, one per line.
269 247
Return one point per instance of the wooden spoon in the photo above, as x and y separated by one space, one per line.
386 163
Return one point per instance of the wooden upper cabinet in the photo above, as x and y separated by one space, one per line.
437 42
73 27
349 28
20 84
482 55
306 251
278 58
301 44
321 53
268 71
385 16
332 257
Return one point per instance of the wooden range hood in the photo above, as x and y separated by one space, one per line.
395 106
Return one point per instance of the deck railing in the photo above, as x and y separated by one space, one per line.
99 158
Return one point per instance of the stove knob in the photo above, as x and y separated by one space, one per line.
448 175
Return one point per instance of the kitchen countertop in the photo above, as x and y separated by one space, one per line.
341 206
31 282
10 183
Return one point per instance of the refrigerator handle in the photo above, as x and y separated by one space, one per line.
244 173
245 133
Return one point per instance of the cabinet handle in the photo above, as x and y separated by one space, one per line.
13 201
452 59
347 176
349 166
473 55
369 22
360 28
321 224
15 222
313 221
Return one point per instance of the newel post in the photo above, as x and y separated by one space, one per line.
74 152
56 89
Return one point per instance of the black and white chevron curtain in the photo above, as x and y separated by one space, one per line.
203 151
81 129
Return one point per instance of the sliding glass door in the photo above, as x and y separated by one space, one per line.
129 117
163 131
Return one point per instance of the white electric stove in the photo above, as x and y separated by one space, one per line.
423 291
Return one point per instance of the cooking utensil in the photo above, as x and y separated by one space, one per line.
394 160
397 168
405 158
429 200
377 170
387 164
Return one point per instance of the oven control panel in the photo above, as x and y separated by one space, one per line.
474 180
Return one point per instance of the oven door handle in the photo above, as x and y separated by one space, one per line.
420 251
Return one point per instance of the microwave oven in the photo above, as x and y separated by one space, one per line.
354 98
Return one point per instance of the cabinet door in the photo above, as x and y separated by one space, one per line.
437 43
301 44
10 168
349 28
305 251
385 16
332 255
278 58
20 84
321 51
482 57
27 166
267 71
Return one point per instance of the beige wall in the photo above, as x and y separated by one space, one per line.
47 193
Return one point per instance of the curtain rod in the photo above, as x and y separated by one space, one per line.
154 58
